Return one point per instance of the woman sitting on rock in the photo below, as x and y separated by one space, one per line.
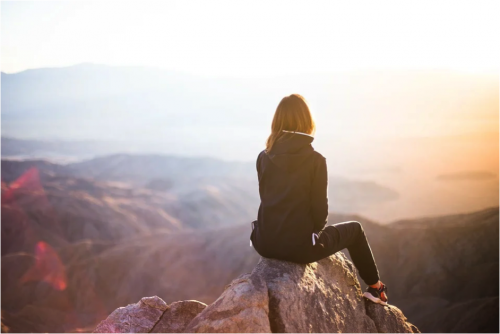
293 184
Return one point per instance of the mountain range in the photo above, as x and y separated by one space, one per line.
75 248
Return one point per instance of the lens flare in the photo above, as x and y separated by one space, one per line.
47 267
29 181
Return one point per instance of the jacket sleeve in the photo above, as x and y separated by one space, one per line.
259 157
319 195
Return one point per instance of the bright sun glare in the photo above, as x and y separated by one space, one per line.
242 38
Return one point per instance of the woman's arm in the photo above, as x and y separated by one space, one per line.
258 162
319 195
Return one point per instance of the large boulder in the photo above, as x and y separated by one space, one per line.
281 297
151 315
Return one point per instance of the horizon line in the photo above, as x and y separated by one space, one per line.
485 72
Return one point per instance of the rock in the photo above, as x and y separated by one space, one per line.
277 296
177 316
389 319
319 297
151 314
135 318
242 307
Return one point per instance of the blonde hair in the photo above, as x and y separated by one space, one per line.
292 114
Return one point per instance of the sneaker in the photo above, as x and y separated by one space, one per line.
375 295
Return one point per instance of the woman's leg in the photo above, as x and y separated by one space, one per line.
351 235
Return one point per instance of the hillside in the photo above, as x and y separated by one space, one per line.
171 266
76 248
461 173
200 193
445 270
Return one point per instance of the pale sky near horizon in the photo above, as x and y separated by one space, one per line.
245 39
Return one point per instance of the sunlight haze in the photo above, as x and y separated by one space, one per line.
245 39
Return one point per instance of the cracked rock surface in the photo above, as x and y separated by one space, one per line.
151 315
277 296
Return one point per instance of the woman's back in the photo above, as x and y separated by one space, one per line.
292 186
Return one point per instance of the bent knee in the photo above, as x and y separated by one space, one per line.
357 225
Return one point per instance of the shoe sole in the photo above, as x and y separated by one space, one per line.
369 296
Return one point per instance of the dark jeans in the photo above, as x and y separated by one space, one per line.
331 239
350 235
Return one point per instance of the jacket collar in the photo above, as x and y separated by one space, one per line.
291 142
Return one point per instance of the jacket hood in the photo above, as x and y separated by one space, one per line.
291 150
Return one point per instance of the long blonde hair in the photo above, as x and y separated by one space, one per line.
292 114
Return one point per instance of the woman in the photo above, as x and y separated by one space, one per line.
293 184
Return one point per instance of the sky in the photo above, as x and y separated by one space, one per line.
252 38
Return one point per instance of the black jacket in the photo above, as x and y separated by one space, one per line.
293 186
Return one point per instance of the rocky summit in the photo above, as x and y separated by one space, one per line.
278 297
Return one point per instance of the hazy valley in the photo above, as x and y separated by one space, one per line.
76 248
